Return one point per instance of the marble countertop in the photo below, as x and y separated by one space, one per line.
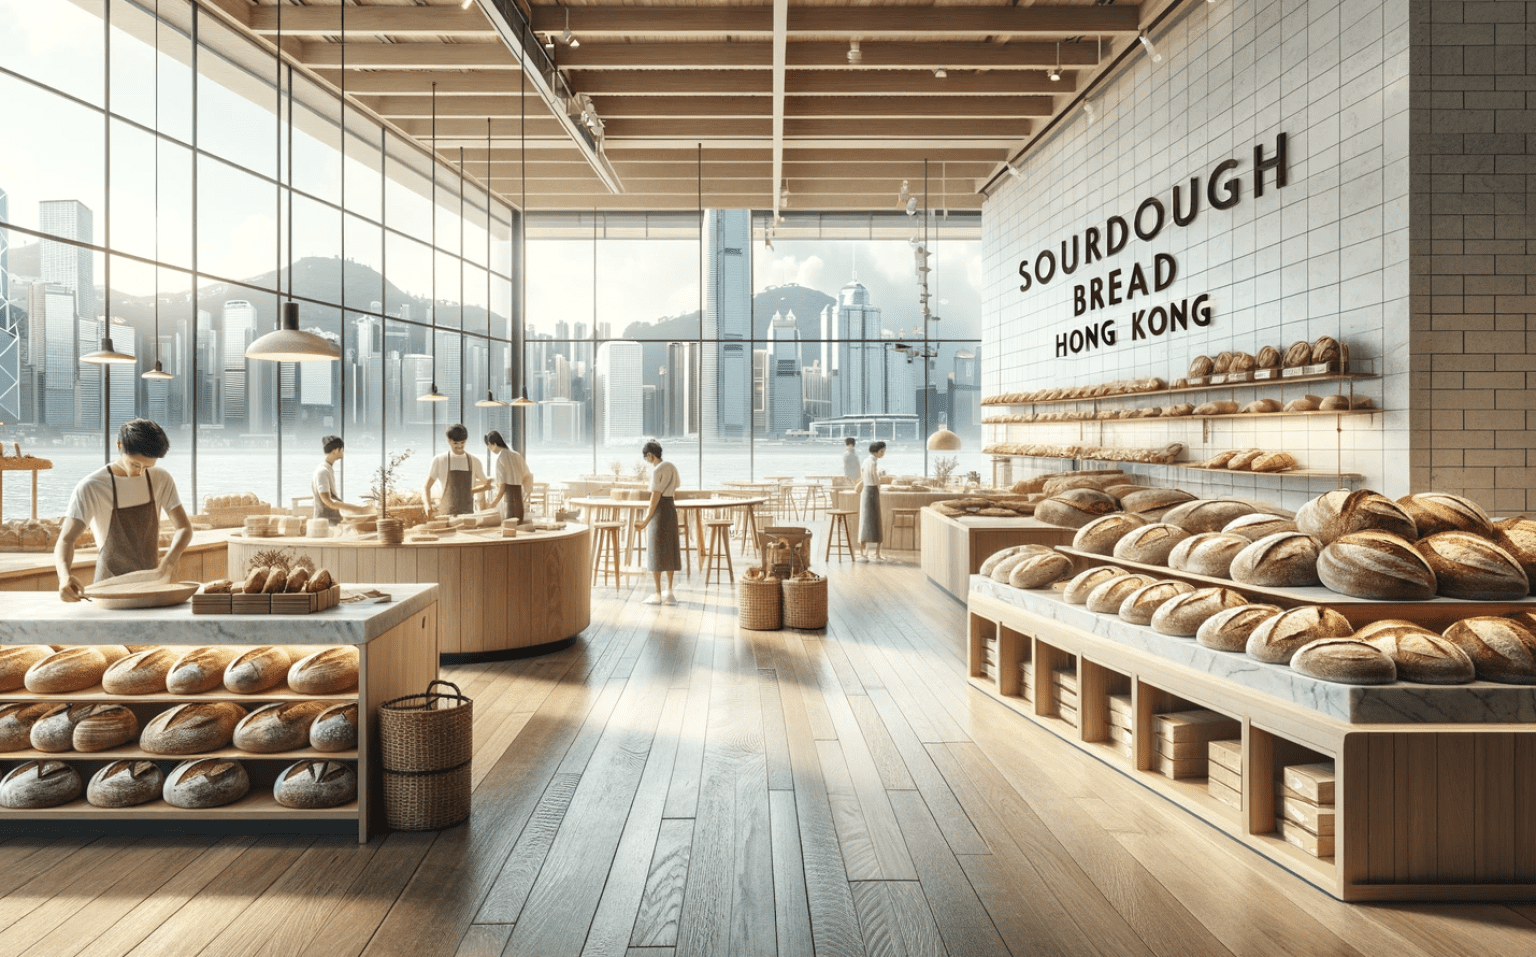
40 618
1402 702
31 562
473 536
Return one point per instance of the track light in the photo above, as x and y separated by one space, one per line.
1014 172
1088 111
1056 72
855 55
1151 50
912 206
465 4
940 73
567 36
1055 75
904 192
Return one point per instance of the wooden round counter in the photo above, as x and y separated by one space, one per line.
497 597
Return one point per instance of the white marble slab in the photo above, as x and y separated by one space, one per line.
40 618
1398 703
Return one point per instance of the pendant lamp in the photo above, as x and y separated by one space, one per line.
434 395
490 402
107 356
943 440
158 372
522 401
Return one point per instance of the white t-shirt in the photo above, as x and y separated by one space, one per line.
871 473
91 501
664 479
851 465
458 463
324 481
510 468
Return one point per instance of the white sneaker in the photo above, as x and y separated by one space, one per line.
669 598
654 600
860 558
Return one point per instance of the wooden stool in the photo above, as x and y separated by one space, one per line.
685 540
746 517
719 548
816 500
904 520
606 544
838 518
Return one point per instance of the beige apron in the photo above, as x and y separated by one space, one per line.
458 497
133 536
321 511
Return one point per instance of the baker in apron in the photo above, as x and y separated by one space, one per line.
460 474
509 476
662 551
122 502
328 503
869 503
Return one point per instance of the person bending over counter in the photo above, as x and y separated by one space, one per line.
509 477
459 473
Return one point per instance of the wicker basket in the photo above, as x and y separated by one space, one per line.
760 604
805 603
427 741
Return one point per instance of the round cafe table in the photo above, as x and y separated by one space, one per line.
690 508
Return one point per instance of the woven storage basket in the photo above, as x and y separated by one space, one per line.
427 740
760 604
805 603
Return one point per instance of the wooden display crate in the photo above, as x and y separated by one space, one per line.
282 603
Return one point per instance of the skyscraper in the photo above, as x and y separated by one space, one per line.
858 354
66 264
681 417
784 402
620 402
10 334
239 329
726 364
124 380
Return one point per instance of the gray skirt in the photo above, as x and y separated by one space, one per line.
869 515
662 553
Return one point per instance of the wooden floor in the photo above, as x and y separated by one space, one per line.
674 786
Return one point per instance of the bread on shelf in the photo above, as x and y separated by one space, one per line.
1344 661
1298 355
1229 630
1420 654
1075 508
141 672
73 669
1443 512
204 783
1469 566
1038 571
1208 515
1278 638
1140 605
1182 615
1084 583
1341 511
1517 536
199 669
54 731
329 671
105 726
16 660
1256 526
257 669
1378 566
191 728
281 726
1208 553
1501 649
335 729
16 722
1107 596
1149 544
316 784
125 784
1153 503
39 784
1281 560
991 562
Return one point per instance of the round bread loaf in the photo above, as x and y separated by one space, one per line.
1378 566
15 660
105 726
1004 568
209 782
334 670
1273 462
335 729
1075 508
257 669
142 672
1085 582
54 731
991 560
73 669
1443 512
1281 560
125 784
1325 349
1154 503
283 726
1268 358
1150 544
1207 515
1223 363
1334 403
1243 461
1278 638
1262 406
1038 571
39 784
1140 605
1340 512
1229 630
16 722
1344 661
1502 649
1258 525
191 728
1241 362
1107 597
1307 403
199 670
1299 354
1472 567
1209 554
1201 365
1420 654
311 784
1182 615
1100 535
1518 537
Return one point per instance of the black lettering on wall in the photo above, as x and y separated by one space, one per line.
1151 202
1180 219
1091 245
1165 269
1201 311
1066 269
1138 282
1262 165
1024 275
1116 227
1232 186
1043 276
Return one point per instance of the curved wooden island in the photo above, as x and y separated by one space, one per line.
497 597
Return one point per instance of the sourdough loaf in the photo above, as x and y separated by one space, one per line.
1443 512
1501 649
1274 462
16 722
1079 587
1256 526
191 728
142 672
1262 406
1420 654
1100 535
1378 566
54 731
1182 615
73 669
1140 605
1345 661
1007 563
1472 567
1518 537
1307 403
105 726
1218 407
1326 349
311 784
1339 512
1107 597
1208 515
39 784
199 670
1223 362
298 579
992 560
125 784
1278 638
1268 358
333 670
1036 571
1241 362
1243 461
283 726
1149 544
209 782
15 660
1229 630
335 729
1209 554
1153 503
1201 365
1075 508
257 669
1299 354
1281 560
319 581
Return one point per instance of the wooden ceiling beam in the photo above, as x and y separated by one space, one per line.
742 107
884 21
492 55
418 22
871 166
848 203
755 55
758 83
885 187
897 107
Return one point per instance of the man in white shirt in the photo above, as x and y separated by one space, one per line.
328 503
851 464
460 474
510 477
122 502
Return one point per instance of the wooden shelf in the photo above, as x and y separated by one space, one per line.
252 807
129 754
1288 473
1251 384
1192 416
97 694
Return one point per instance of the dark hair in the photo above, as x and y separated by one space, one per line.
143 437
494 438
457 433
848 441
331 443
876 447
652 447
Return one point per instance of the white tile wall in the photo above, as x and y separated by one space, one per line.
1328 254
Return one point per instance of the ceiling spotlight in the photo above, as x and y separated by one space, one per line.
940 73
1088 111
855 55
465 4
1014 172
1151 50
567 36
912 206
1056 73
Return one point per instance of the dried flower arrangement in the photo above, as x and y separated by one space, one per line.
384 479
285 558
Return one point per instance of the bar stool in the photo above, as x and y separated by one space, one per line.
838 518
904 520
719 548
746 522
606 545
685 541
816 500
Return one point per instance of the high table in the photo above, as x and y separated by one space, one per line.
498 597
697 506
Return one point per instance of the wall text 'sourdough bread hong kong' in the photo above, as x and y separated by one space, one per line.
1099 536
1182 615
1278 638
1229 630
1140 605
1209 553
1107 598
1076 507
1150 544
1472 567
1282 560
1038 571
1502 649
1345 661
1443 512
1338 513
1420 655
1081 586
1378 566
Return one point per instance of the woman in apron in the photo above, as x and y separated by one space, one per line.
123 501
509 477
662 553
869 502
459 473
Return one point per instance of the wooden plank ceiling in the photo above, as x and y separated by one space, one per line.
959 83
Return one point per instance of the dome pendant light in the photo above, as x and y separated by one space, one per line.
107 356
490 402
288 343
158 372
943 440
434 395
522 401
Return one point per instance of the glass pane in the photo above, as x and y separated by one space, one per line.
560 287
449 226
364 358
317 250
133 191
475 225
364 169
407 191
650 288
501 308
136 71
408 288
365 265
237 397
559 435
312 406
450 280
57 42
502 248
55 184
412 424
236 109
237 224
476 288
316 142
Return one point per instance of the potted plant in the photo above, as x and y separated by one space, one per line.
943 468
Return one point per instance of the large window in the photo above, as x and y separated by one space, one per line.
175 199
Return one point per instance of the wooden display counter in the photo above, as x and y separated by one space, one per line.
889 502
204 560
497 597
954 548
397 655
1433 783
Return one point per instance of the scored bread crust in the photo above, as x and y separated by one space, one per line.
1106 598
1502 649
1209 554
1344 661
1229 630
1038 571
1443 512
1421 655
1100 536
1182 615
1278 638
1281 560
1341 512
1150 544
1080 586
1376 565
1140 605
1471 567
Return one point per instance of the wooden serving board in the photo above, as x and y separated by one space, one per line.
1314 818
1311 781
